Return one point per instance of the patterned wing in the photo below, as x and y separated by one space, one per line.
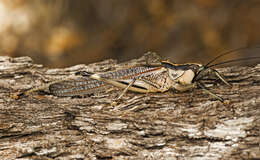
85 85
78 86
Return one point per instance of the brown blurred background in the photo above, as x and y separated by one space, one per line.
66 32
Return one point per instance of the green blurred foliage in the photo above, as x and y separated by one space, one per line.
65 32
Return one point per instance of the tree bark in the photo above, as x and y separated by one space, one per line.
189 125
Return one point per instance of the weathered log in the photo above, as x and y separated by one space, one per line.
190 125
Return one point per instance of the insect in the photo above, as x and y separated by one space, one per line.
147 78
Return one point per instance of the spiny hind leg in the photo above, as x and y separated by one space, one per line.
144 84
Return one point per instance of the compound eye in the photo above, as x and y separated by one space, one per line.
198 68
174 74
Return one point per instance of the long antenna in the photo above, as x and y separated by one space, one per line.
229 52
225 62
233 60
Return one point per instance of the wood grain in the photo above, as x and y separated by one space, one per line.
190 125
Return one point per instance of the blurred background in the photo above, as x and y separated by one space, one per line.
65 32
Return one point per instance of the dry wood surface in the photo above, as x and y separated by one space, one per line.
189 125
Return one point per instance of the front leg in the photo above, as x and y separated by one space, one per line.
209 92
183 88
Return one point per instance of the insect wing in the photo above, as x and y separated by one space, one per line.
77 86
